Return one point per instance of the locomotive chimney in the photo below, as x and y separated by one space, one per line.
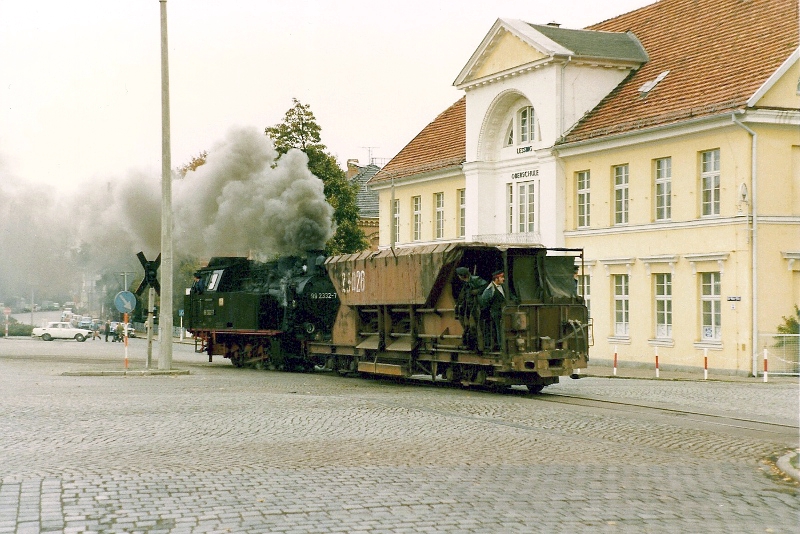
314 260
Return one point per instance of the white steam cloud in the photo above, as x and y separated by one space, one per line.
242 201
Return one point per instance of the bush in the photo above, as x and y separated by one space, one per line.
16 329
791 325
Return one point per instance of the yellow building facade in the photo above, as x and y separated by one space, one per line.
672 159
648 273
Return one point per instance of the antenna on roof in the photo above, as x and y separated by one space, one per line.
369 153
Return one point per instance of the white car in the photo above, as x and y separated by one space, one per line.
60 330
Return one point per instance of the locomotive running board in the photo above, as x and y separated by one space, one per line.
382 369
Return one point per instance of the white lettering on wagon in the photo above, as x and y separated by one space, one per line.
352 281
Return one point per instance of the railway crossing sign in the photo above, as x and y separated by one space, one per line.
150 273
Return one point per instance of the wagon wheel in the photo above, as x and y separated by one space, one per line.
344 366
452 373
47 337
480 378
79 337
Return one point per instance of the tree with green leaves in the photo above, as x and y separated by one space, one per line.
299 129
193 164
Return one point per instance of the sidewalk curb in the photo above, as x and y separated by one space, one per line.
129 372
784 463
669 376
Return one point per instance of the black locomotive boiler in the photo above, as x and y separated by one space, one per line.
258 313
394 312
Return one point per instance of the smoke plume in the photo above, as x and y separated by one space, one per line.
243 201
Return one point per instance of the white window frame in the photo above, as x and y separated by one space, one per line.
526 204
438 199
522 127
663 189
711 306
525 117
621 305
396 219
584 289
583 198
416 210
621 194
462 212
710 183
663 305
510 208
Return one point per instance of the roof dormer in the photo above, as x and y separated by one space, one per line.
512 47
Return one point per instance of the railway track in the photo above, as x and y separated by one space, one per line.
725 423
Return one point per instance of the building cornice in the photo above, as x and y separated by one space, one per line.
677 129
659 227
453 171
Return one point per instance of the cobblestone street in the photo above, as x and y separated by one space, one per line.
223 449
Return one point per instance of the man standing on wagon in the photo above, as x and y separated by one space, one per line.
468 311
493 298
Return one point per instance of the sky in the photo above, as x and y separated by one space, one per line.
80 85
80 119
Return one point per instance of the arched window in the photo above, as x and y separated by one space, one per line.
521 128
525 120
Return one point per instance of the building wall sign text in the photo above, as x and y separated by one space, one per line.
524 174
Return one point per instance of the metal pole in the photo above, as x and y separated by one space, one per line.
165 320
151 297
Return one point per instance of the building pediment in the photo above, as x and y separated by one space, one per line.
513 46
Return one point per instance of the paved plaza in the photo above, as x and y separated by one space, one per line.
222 449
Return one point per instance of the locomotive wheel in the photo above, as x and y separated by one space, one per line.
236 356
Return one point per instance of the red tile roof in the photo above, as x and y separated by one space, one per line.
441 144
718 53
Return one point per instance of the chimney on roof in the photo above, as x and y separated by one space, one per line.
554 24
352 168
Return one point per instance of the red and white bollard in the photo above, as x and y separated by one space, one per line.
615 360
656 362
705 364
765 365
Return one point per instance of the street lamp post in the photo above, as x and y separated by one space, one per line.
165 320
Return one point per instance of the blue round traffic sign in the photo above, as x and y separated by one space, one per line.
125 301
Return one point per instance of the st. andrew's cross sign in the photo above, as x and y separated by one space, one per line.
150 273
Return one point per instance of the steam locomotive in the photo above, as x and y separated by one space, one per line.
394 313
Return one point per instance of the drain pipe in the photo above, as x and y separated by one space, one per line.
753 242
562 102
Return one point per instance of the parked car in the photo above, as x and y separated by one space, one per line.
61 330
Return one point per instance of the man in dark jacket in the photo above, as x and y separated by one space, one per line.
468 311
493 298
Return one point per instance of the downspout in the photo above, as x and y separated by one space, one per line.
754 241
392 231
561 103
